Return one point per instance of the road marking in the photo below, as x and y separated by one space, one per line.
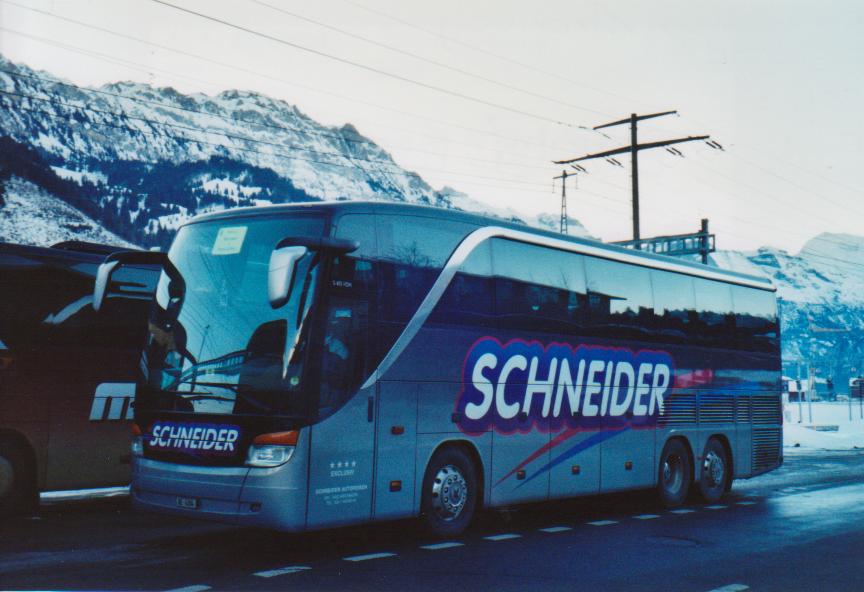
717 507
553 529
682 511
603 522
368 556
731 588
192 588
281 571
503 537
746 503
646 516
439 546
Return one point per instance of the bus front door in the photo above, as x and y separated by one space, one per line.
343 443
341 463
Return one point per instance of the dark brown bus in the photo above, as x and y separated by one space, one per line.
66 373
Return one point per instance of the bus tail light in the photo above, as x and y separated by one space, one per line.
272 450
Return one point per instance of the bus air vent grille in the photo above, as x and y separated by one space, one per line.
766 448
742 409
766 410
679 409
714 409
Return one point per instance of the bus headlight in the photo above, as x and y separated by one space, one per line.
269 455
272 450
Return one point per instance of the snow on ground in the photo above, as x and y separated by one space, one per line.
798 434
34 217
229 188
77 176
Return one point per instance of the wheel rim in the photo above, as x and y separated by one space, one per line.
673 473
449 493
7 477
714 469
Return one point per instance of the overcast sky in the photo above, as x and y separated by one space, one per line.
778 84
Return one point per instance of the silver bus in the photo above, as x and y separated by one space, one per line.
317 365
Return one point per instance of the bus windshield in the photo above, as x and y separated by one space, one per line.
217 346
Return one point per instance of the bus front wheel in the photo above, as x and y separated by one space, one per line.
16 492
675 475
714 471
449 493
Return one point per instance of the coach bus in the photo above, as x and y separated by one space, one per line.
67 374
324 364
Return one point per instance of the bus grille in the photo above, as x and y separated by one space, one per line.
766 410
766 449
742 409
715 409
679 409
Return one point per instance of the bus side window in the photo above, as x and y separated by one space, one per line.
469 298
348 351
620 303
674 306
755 319
538 288
413 251
716 317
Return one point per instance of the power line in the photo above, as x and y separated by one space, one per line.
755 224
761 191
796 185
424 59
366 67
487 52
209 60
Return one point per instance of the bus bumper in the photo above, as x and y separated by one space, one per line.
267 498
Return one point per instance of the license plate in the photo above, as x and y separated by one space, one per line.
190 503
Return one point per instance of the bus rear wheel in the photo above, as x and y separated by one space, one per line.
674 474
450 489
714 471
17 494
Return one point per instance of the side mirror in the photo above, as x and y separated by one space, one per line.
280 277
103 278
115 260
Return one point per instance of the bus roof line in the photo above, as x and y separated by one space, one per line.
481 235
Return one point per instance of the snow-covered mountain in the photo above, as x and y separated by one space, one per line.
150 158
29 214
821 295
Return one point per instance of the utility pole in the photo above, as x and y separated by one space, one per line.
564 176
633 149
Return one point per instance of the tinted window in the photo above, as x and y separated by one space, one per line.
674 305
49 305
619 298
469 298
419 242
538 287
716 319
347 352
222 348
413 251
755 319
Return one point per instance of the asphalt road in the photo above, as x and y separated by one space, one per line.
798 528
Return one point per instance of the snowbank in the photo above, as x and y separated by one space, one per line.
799 433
